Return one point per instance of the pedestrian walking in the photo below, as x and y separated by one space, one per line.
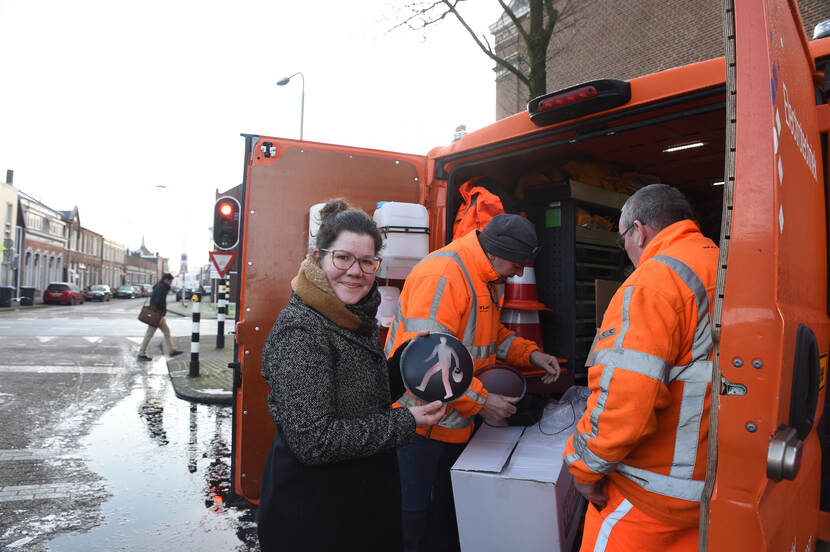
158 299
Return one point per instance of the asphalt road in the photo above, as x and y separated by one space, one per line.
96 452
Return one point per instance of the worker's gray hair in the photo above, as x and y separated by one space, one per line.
655 205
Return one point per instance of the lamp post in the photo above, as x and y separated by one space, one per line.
282 82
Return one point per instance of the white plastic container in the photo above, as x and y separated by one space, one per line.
313 224
406 226
388 302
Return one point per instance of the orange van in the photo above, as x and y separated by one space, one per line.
744 136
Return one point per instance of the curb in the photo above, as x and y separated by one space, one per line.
215 382
178 371
186 393
21 308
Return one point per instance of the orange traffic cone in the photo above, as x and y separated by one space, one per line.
520 312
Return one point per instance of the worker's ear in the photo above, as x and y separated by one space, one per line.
316 256
640 234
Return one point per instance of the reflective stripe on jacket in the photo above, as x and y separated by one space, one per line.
647 421
447 292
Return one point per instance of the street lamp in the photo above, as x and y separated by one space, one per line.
282 82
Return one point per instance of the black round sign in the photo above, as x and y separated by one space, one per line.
436 367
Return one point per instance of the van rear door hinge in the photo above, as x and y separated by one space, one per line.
731 389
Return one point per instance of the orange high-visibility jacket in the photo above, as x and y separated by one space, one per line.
447 292
647 419
478 207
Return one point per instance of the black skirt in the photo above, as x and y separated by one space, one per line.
349 505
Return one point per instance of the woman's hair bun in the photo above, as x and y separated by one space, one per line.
332 207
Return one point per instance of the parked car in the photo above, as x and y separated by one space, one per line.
98 292
125 292
145 289
63 292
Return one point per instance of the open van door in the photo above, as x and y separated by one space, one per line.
771 321
283 179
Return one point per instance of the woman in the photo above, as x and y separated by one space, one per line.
331 479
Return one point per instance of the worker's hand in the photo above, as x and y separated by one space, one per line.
423 333
427 414
498 407
593 493
547 363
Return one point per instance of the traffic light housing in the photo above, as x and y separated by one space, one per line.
226 223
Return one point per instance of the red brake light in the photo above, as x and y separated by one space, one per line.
578 101
566 98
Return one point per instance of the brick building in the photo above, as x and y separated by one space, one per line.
9 239
622 40
43 250
143 267
54 246
112 263
90 247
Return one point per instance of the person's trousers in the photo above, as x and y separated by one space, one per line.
148 335
621 527
427 507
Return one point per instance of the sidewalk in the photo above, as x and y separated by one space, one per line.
207 311
16 307
214 384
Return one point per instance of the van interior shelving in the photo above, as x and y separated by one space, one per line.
633 142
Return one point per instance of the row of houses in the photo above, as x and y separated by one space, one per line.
43 245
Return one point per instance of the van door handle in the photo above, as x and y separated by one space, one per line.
784 454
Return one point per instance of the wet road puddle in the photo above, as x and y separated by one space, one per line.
167 464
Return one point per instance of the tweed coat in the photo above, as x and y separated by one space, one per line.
331 476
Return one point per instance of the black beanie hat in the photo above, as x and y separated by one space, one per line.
510 237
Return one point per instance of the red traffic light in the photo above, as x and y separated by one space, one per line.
226 223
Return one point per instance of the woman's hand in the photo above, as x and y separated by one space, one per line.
427 414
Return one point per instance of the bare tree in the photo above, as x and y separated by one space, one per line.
535 22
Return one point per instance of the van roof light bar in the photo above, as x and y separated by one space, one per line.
578 101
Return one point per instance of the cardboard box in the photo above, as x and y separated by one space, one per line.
513 492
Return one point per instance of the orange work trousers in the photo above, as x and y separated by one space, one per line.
621 527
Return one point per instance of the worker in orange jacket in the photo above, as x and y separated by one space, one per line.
455 290
639 452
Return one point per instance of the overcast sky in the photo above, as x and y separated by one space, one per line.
103 101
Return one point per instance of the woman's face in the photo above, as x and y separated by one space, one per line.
351 285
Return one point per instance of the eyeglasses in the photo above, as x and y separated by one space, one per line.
343 260
621 237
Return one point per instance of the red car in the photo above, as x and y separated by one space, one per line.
63 292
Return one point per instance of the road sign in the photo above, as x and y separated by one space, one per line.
222 260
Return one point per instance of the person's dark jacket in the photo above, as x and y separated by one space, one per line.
331 480
158 298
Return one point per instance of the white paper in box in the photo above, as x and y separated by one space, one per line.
512 490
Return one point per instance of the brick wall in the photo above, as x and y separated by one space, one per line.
627 39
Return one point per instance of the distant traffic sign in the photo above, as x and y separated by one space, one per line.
222 260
